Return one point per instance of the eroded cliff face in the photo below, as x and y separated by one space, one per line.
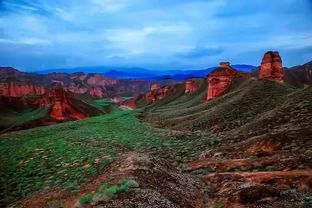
271 67
221 78
61 107
17 90
192 85
157 94
154 86
130 103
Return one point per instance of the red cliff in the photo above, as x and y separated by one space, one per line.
271 67
18 90
96 92
154 86
130 103
61 107
157 94
221 78
192 85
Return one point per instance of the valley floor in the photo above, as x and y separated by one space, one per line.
69 155
249 148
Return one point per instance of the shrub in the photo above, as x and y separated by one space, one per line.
86 199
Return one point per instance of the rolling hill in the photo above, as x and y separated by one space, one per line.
246 145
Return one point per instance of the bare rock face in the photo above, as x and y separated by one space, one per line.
157 94
271 67
225 65
191 85
130 103
221 78
96 92
61 107
18 90
154 86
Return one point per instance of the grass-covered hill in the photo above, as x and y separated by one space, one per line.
67 156
24 112
244 101
250 147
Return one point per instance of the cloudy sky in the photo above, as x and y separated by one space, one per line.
155 34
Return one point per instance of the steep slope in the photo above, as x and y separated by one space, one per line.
267 160
299 75
245 99
55 106
263 131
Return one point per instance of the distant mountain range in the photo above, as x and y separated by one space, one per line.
141 73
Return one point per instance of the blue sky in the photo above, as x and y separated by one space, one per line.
155 34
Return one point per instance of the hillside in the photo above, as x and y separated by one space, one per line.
263 133
266 136
225 140
75 152
52 107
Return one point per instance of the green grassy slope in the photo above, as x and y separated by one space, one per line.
11 118
68 154
242 102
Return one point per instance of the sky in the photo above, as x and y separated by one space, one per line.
154 34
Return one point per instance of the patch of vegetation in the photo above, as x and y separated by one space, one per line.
102 102
31 96
86 199
69 154
126 98
219 205
236 107
10 118
109 191
106 192
270 168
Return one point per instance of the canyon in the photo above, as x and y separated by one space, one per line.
230 139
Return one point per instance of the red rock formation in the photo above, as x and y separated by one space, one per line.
18 90
100 80
225 65
162 93
221 78
154 86
130 103
96 92
271 67
150 97
61 107
192 85
157 94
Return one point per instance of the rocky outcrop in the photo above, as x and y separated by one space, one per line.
192 85
17 90
221 78
130 103
61 107
157 94
226 65
154 86
96 92
271 67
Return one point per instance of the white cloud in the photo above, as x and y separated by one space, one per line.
111 5
153 31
